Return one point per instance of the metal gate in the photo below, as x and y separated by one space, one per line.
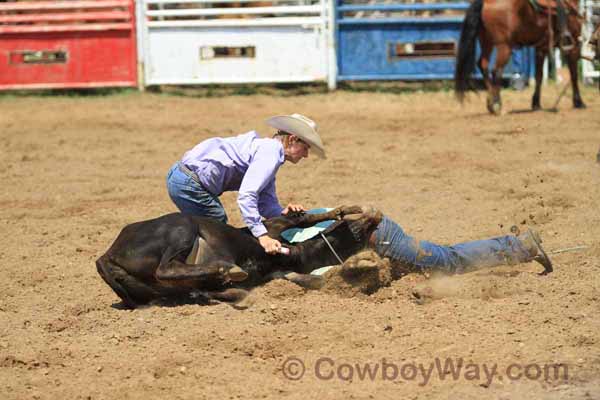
233 41
591 10
405 41
67 44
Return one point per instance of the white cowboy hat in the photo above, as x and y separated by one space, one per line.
301 126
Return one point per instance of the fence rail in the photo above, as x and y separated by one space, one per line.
65 16
67 44
591 11
214 41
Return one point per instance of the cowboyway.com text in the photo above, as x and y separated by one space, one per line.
444 369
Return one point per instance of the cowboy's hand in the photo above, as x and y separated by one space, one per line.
270 245
293 208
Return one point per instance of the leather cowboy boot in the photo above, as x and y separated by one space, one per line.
532 243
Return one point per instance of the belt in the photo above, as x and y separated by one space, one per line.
183 168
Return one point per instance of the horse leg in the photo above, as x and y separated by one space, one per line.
484 64
502 57
572 58
540 55
573 55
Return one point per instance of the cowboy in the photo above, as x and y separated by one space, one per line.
247 164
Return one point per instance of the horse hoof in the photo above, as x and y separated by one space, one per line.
496 108
579 104
236 274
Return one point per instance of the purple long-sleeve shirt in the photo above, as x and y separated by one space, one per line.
245 163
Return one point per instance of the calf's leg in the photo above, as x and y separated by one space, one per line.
231 295
307 281
131 290
216 270
276 226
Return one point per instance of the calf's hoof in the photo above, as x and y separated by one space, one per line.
231 295
578 103
236 274
345 211
307 281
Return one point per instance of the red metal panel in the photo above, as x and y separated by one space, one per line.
64 28
67 17
62 5
67 44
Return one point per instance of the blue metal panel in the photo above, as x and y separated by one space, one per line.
404 7
364 44
387 21
364 49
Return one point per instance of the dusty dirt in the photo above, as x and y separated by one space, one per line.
76 170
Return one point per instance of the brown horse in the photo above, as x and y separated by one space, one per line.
505 24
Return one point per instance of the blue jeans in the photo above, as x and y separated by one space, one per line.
191 198
393 243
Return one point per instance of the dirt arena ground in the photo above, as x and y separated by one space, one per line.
75 170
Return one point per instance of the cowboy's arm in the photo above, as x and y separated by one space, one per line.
259 175
268 204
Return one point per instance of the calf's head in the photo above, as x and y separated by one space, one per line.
346 237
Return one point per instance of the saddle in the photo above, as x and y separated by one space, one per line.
552 6
561 9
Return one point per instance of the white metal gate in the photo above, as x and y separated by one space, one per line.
233 41
591 11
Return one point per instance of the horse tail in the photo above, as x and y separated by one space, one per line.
465 59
